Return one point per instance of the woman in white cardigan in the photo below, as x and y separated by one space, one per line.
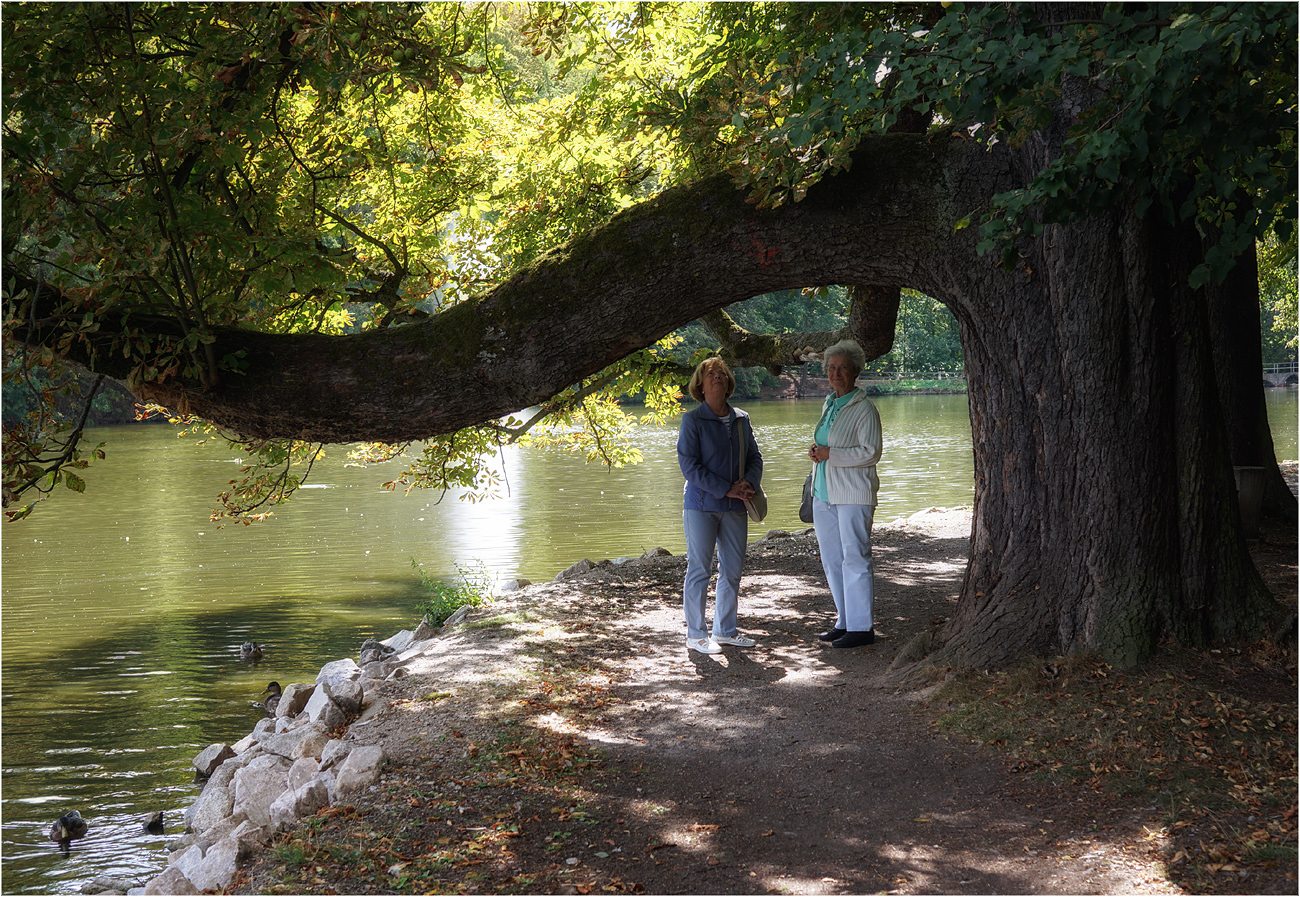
846 447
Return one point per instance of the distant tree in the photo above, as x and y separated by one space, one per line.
1278 285
927 338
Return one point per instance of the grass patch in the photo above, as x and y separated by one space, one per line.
1208 737
473 589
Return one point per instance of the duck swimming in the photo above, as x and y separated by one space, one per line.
272 699
67 827
250 651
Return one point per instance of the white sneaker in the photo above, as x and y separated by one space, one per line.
703 645
738 640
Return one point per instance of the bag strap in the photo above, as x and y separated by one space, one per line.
742 446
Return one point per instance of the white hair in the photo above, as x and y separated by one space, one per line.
850 351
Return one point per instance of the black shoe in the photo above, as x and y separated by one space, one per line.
832 634
855 639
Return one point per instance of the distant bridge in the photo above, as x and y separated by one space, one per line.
1285 374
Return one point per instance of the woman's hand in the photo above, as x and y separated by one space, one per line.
742 490
819 453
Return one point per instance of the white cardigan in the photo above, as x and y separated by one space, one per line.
855 444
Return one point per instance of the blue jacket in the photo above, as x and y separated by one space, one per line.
711 463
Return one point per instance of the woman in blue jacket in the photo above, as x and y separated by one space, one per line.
713 504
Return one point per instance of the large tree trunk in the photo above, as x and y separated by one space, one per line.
1105 514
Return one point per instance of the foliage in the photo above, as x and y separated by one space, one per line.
1190 109
474 589
41 452
1277 289
927 338
290 168
276 469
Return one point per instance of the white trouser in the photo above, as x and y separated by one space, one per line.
844 537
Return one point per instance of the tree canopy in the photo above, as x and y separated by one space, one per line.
406 222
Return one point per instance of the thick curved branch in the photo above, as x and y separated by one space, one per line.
583 306
873 316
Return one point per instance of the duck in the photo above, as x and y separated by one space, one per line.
67 827
250 651
272 699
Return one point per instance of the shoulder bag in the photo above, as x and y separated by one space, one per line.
755 507
805 502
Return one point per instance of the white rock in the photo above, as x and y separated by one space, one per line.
178 844
211 757
334 752
401 641
294 698
348 695
302 772
360 769
217 870
514 585
222 829
170 881
457 617
578 569
249 836
214 802
259 783
293 805
338 671
322 710
187 860
326 777
305 741
375 670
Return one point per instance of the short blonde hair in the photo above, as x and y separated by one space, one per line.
696 388
850 351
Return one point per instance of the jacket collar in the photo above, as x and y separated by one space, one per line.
857 394
706 412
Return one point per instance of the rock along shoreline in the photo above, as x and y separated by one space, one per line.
303 759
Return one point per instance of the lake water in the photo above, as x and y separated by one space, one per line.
124 608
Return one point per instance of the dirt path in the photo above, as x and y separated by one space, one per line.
564 741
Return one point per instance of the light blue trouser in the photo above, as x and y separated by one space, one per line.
729 532
844 538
